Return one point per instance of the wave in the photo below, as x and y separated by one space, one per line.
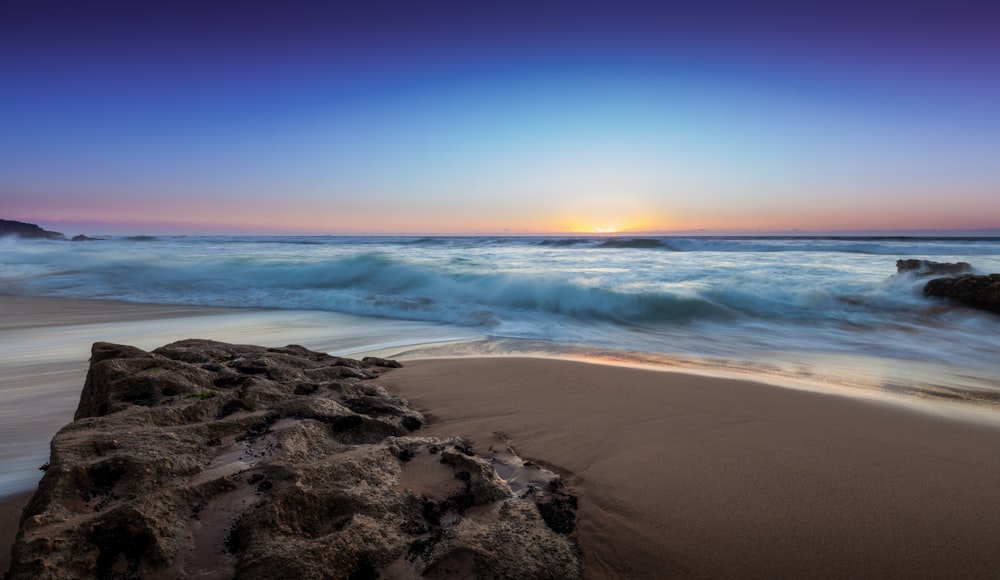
473 282
369 284
706 296
636 243
376 284
866 245
427 241
894 246
565 242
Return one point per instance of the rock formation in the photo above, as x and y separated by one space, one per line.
26 230
208 460
929 268
975 291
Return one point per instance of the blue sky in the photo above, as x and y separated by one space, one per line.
479 117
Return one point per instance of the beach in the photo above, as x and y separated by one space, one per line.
677 474
687 475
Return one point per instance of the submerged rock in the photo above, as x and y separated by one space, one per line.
206 459
976 291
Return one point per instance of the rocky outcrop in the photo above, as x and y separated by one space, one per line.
929 268
971 290
203 459
26 230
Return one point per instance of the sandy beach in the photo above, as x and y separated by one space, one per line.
679 475
692 476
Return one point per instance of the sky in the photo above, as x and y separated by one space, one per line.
489 116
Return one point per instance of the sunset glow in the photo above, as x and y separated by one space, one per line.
610 229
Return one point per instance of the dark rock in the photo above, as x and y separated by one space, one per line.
971 290
26 230
381 362
175 469
83 238
123 376
929 268
558 510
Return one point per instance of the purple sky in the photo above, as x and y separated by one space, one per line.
485 117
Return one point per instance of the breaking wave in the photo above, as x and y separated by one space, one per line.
705 294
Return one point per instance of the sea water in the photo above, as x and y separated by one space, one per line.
830 312
832 308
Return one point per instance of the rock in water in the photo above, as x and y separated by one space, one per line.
211 460
929 268
26 230
976 291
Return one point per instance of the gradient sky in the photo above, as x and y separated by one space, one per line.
489 116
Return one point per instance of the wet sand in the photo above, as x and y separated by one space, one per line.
10 516
692 476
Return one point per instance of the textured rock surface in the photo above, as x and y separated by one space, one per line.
929 268
208 460
26 230
976 291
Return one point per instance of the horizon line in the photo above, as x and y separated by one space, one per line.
164 229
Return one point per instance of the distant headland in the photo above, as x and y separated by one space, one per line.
26 230
34 231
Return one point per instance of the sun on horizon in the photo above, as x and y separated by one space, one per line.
612 229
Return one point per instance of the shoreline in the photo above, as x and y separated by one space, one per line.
45 344
949 395
253 325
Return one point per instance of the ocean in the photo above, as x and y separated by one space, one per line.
831 310
824 313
